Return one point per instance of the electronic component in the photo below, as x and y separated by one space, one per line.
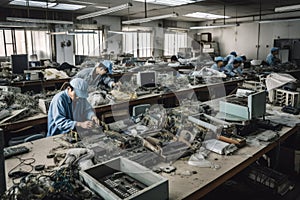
219 147
146 79
14 151
120 178
269 178
244 108
122 184
285 98
239 141
290 109
267 136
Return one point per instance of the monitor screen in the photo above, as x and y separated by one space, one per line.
146 79
34 63
205 37
79 59
19 63
140 110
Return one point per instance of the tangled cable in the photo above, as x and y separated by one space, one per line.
62 184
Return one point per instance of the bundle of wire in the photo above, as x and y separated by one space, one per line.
62 184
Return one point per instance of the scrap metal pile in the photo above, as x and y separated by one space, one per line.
162 135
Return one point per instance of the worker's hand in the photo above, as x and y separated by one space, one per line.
96 120
86 124
117 84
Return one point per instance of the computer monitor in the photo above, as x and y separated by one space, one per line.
139 110
205 37
19 63
34 63
79 59
146 79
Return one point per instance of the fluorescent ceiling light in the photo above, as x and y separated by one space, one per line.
170 2
143 20
177 29
19 25
50 5
104 12
39 4
71 32
41 21
116 32
58 33
102 7
203 15
81 32
63 6
215 26
278 20
287 8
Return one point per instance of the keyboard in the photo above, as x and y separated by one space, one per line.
14 151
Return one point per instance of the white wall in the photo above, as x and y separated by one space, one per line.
65 54
244 38
113 42
279 30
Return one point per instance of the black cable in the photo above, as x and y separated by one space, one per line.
24 162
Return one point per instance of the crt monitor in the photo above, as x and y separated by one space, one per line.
205 37
34 63
19 63
139 110
146 79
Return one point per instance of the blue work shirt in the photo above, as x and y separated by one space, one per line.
63 114
230 58
88 75
231 71
215 67
272 60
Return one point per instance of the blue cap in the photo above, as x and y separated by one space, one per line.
108 64
233 53
219 58
80 87
274 49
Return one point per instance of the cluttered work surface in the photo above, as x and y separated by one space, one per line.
184 180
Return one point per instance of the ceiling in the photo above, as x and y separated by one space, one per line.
232 8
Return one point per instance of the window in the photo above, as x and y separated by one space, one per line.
174 41
138 43
2 50
145 45
40 44
130 43
22 41
88 44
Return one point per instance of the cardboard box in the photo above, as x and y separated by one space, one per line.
156 185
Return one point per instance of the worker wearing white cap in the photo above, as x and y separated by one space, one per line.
272 57
98 76
70 108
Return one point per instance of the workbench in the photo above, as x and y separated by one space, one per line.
203 93
39 85
180 187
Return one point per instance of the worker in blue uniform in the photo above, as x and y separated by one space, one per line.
234 68
70 108
272 58
98 76
229 58
218 65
